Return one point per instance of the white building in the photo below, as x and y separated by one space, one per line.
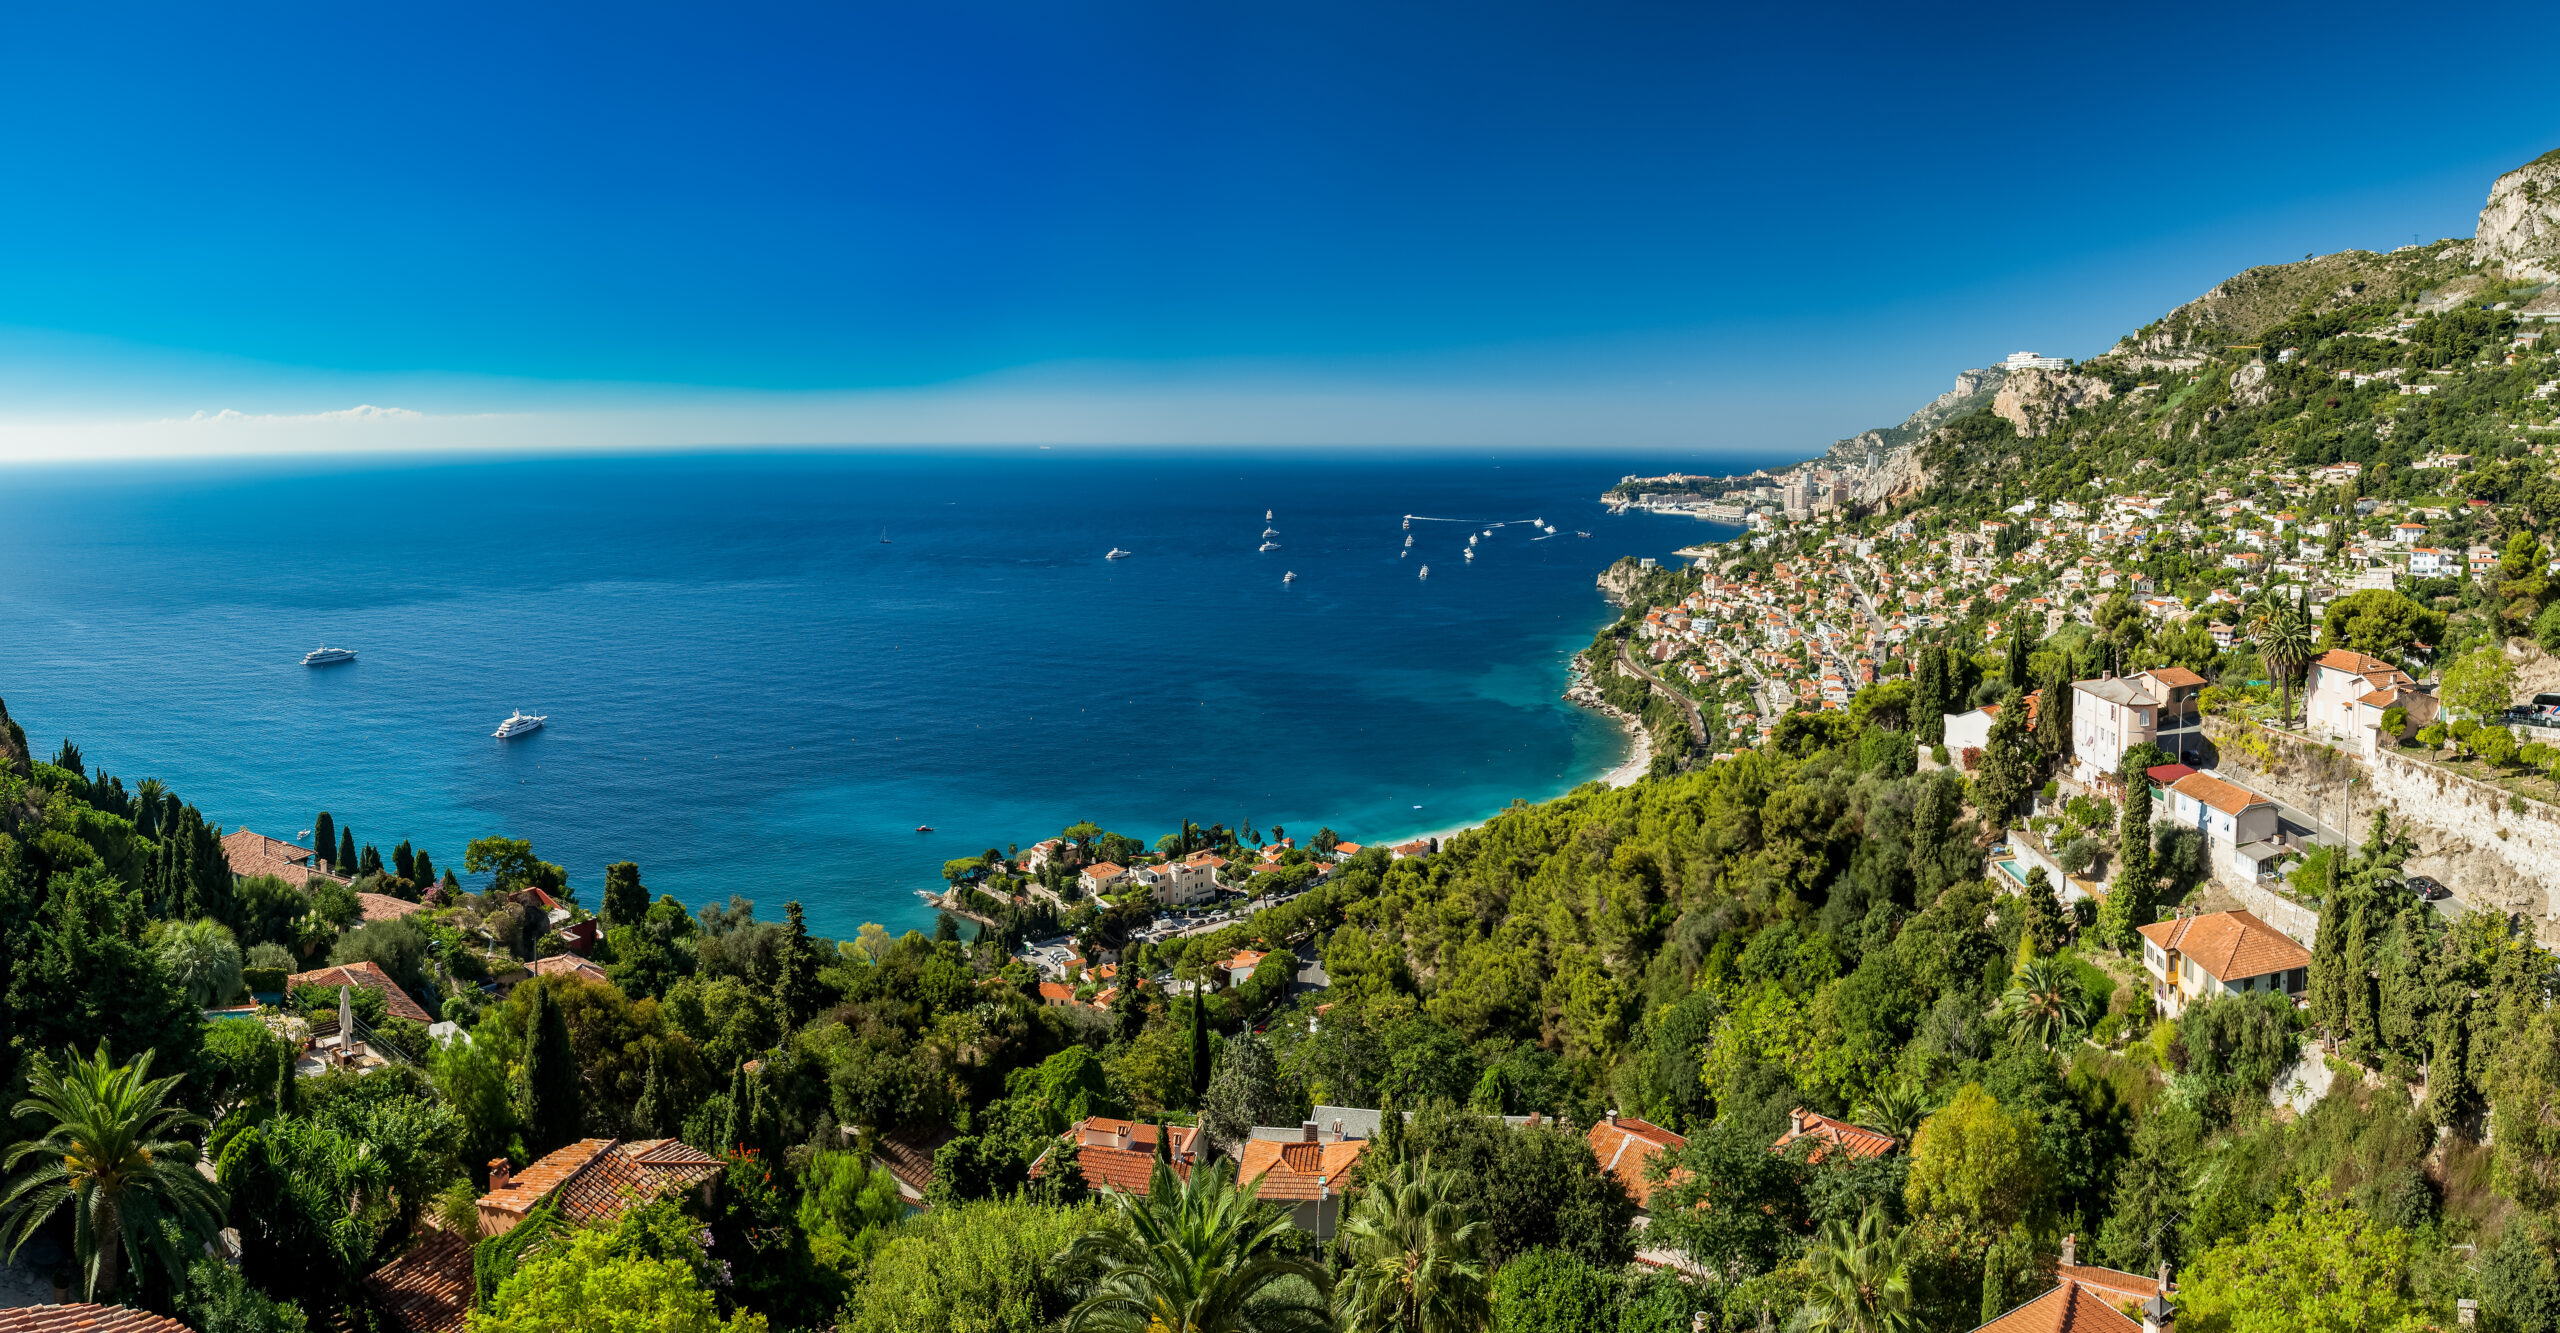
2031 361
2239 825
2349 694
2114 714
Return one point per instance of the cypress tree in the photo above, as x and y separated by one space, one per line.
649 1114
625 902
346 851
426 871
2329 1006
2136 877
2053 713
734 1121
405 861
324 837
1199 1043
369 861
796 979
553 1113
452 886
2016 667
1390 1130
1929 696
2365 1013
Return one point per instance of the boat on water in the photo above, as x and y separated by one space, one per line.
1115 553
1269 533
1426 572
884 536
1266 515
1408 522
1582 534
325 655
1271 546
1408 540
1471 543
518 723
1290 577
924 828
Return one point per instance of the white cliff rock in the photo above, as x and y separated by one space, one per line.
2520 227
2035 401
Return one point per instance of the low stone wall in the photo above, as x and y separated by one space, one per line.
2293 918
2470 834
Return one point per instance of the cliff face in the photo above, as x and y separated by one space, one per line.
2035 401
2520 226
13 746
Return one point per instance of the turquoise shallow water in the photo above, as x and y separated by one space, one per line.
750 693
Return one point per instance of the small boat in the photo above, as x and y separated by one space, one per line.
324 655
1115 553
1270 546
1408 522
1469 553
1582 534
1471 543
1266 515
1408 539
1269 533
884 536
1488 532
924 828
518 723
1290 577
1426 572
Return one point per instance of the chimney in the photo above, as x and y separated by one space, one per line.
1307 1130
1613 1117
2155 1315
1795 1119
501 1175
1337 1129
2466 1312
2071 1251
1120 1137
2166 1286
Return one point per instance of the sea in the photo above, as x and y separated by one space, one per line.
764 674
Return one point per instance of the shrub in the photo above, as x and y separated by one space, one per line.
264 980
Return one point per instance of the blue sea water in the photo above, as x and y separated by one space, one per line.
751 693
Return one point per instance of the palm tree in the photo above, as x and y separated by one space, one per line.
203 958
1862 1279
2042 1002
2283 633
114 1155
1196 1254
1897 1108
1414 1263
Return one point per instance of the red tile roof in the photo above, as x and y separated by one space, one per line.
370 976
256 854
86 1319
569 964
2114 1284
2174 675
2167 775
2226 797
428 1289
1107 1165
384 907
1624 1144
2229 946
597 1180
1296 1171
908 1154
2068 1308
1855 1140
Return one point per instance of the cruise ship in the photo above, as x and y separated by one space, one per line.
323 656
517 724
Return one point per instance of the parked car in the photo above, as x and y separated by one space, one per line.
2428 889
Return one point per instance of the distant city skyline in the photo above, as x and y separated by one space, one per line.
1632 227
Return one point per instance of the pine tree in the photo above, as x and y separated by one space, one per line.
324 837
346 862
553 1110
2009 768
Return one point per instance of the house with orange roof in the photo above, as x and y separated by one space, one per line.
1304 1176
2349 694
1121 1154
2113 714
367 976
570 965
384 907
1832 1136
1239 967
1101 877
1624 1145
593 1182
2239 825
2069 1308
2194 958
1054 994
256 854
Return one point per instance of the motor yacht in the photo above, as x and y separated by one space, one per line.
1270 546
1115 553
1290 577
323 656
518 723
1426 572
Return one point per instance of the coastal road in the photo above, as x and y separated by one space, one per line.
1697 723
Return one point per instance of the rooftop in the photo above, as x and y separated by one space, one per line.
2229 945
2229 798
2068 1308
1624 1144
371 977
1854 1140
1299 1171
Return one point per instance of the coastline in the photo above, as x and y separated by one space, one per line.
1626 773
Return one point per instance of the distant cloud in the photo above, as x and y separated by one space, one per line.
359 412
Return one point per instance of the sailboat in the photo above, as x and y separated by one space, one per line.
884 536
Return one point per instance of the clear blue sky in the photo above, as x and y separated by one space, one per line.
1656 225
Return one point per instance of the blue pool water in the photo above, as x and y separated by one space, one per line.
749 692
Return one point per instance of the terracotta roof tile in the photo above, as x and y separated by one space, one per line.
1130 1169
2068 1308
2114 1284
1855 1140
86 1319
633 1173
256 854
368 975
1624 1144
569 964
428 1289
1296 1171
908 1153
2229 946
2226 797
501 1209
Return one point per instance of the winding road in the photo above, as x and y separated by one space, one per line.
1697 723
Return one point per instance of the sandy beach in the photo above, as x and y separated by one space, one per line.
1626 774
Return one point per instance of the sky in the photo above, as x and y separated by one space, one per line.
1677 228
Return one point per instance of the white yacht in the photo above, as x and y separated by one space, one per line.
1270 546
1290 577
1115 553
1408 539
517 724
1266 515
1426 572
1408 522
1470 553
1471 543
1269 533
324 655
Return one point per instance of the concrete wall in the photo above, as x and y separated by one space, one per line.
2469 834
